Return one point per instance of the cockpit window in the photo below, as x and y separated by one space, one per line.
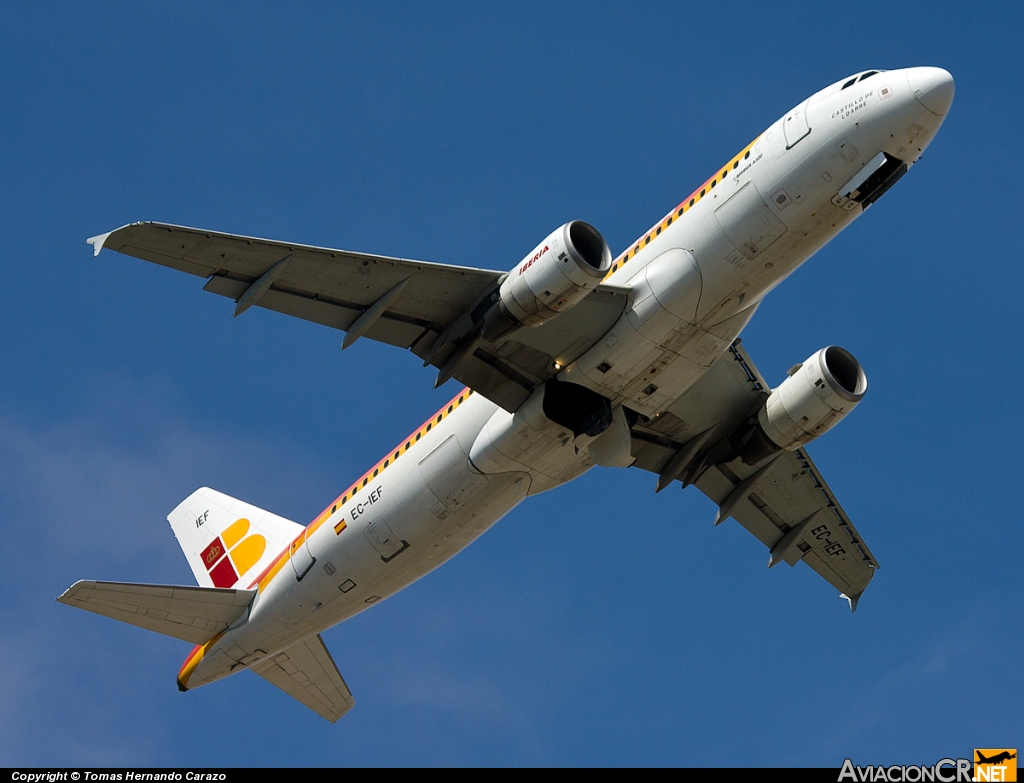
860 78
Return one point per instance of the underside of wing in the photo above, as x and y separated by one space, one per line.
326 286
783 500
194 614
306 672
427 308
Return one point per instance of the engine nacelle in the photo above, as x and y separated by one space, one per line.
813 399
557 274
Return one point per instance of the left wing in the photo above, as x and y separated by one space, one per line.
784 502
306 671
421 306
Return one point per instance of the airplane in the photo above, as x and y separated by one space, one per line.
570 359
996 759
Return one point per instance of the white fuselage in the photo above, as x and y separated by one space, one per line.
695 279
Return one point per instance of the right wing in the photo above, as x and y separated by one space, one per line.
411 304
306 671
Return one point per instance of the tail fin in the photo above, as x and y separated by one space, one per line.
228 543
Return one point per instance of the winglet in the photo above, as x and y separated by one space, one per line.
97 242
854 600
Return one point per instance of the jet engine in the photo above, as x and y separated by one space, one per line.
566 266
812 400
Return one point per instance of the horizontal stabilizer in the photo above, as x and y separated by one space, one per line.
306 671
194 614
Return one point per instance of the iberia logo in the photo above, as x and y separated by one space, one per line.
233 553
998 764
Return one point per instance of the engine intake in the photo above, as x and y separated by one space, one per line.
554 276
815 397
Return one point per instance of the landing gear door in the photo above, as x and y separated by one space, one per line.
795 125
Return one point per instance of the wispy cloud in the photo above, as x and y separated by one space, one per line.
87 498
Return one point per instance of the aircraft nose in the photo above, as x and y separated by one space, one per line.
933 87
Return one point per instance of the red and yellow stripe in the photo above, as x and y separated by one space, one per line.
393 456
685 206
193 660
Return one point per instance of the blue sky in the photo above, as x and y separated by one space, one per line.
598 623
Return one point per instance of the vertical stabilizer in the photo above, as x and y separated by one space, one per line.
227 542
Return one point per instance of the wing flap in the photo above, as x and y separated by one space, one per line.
194 614
306 672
